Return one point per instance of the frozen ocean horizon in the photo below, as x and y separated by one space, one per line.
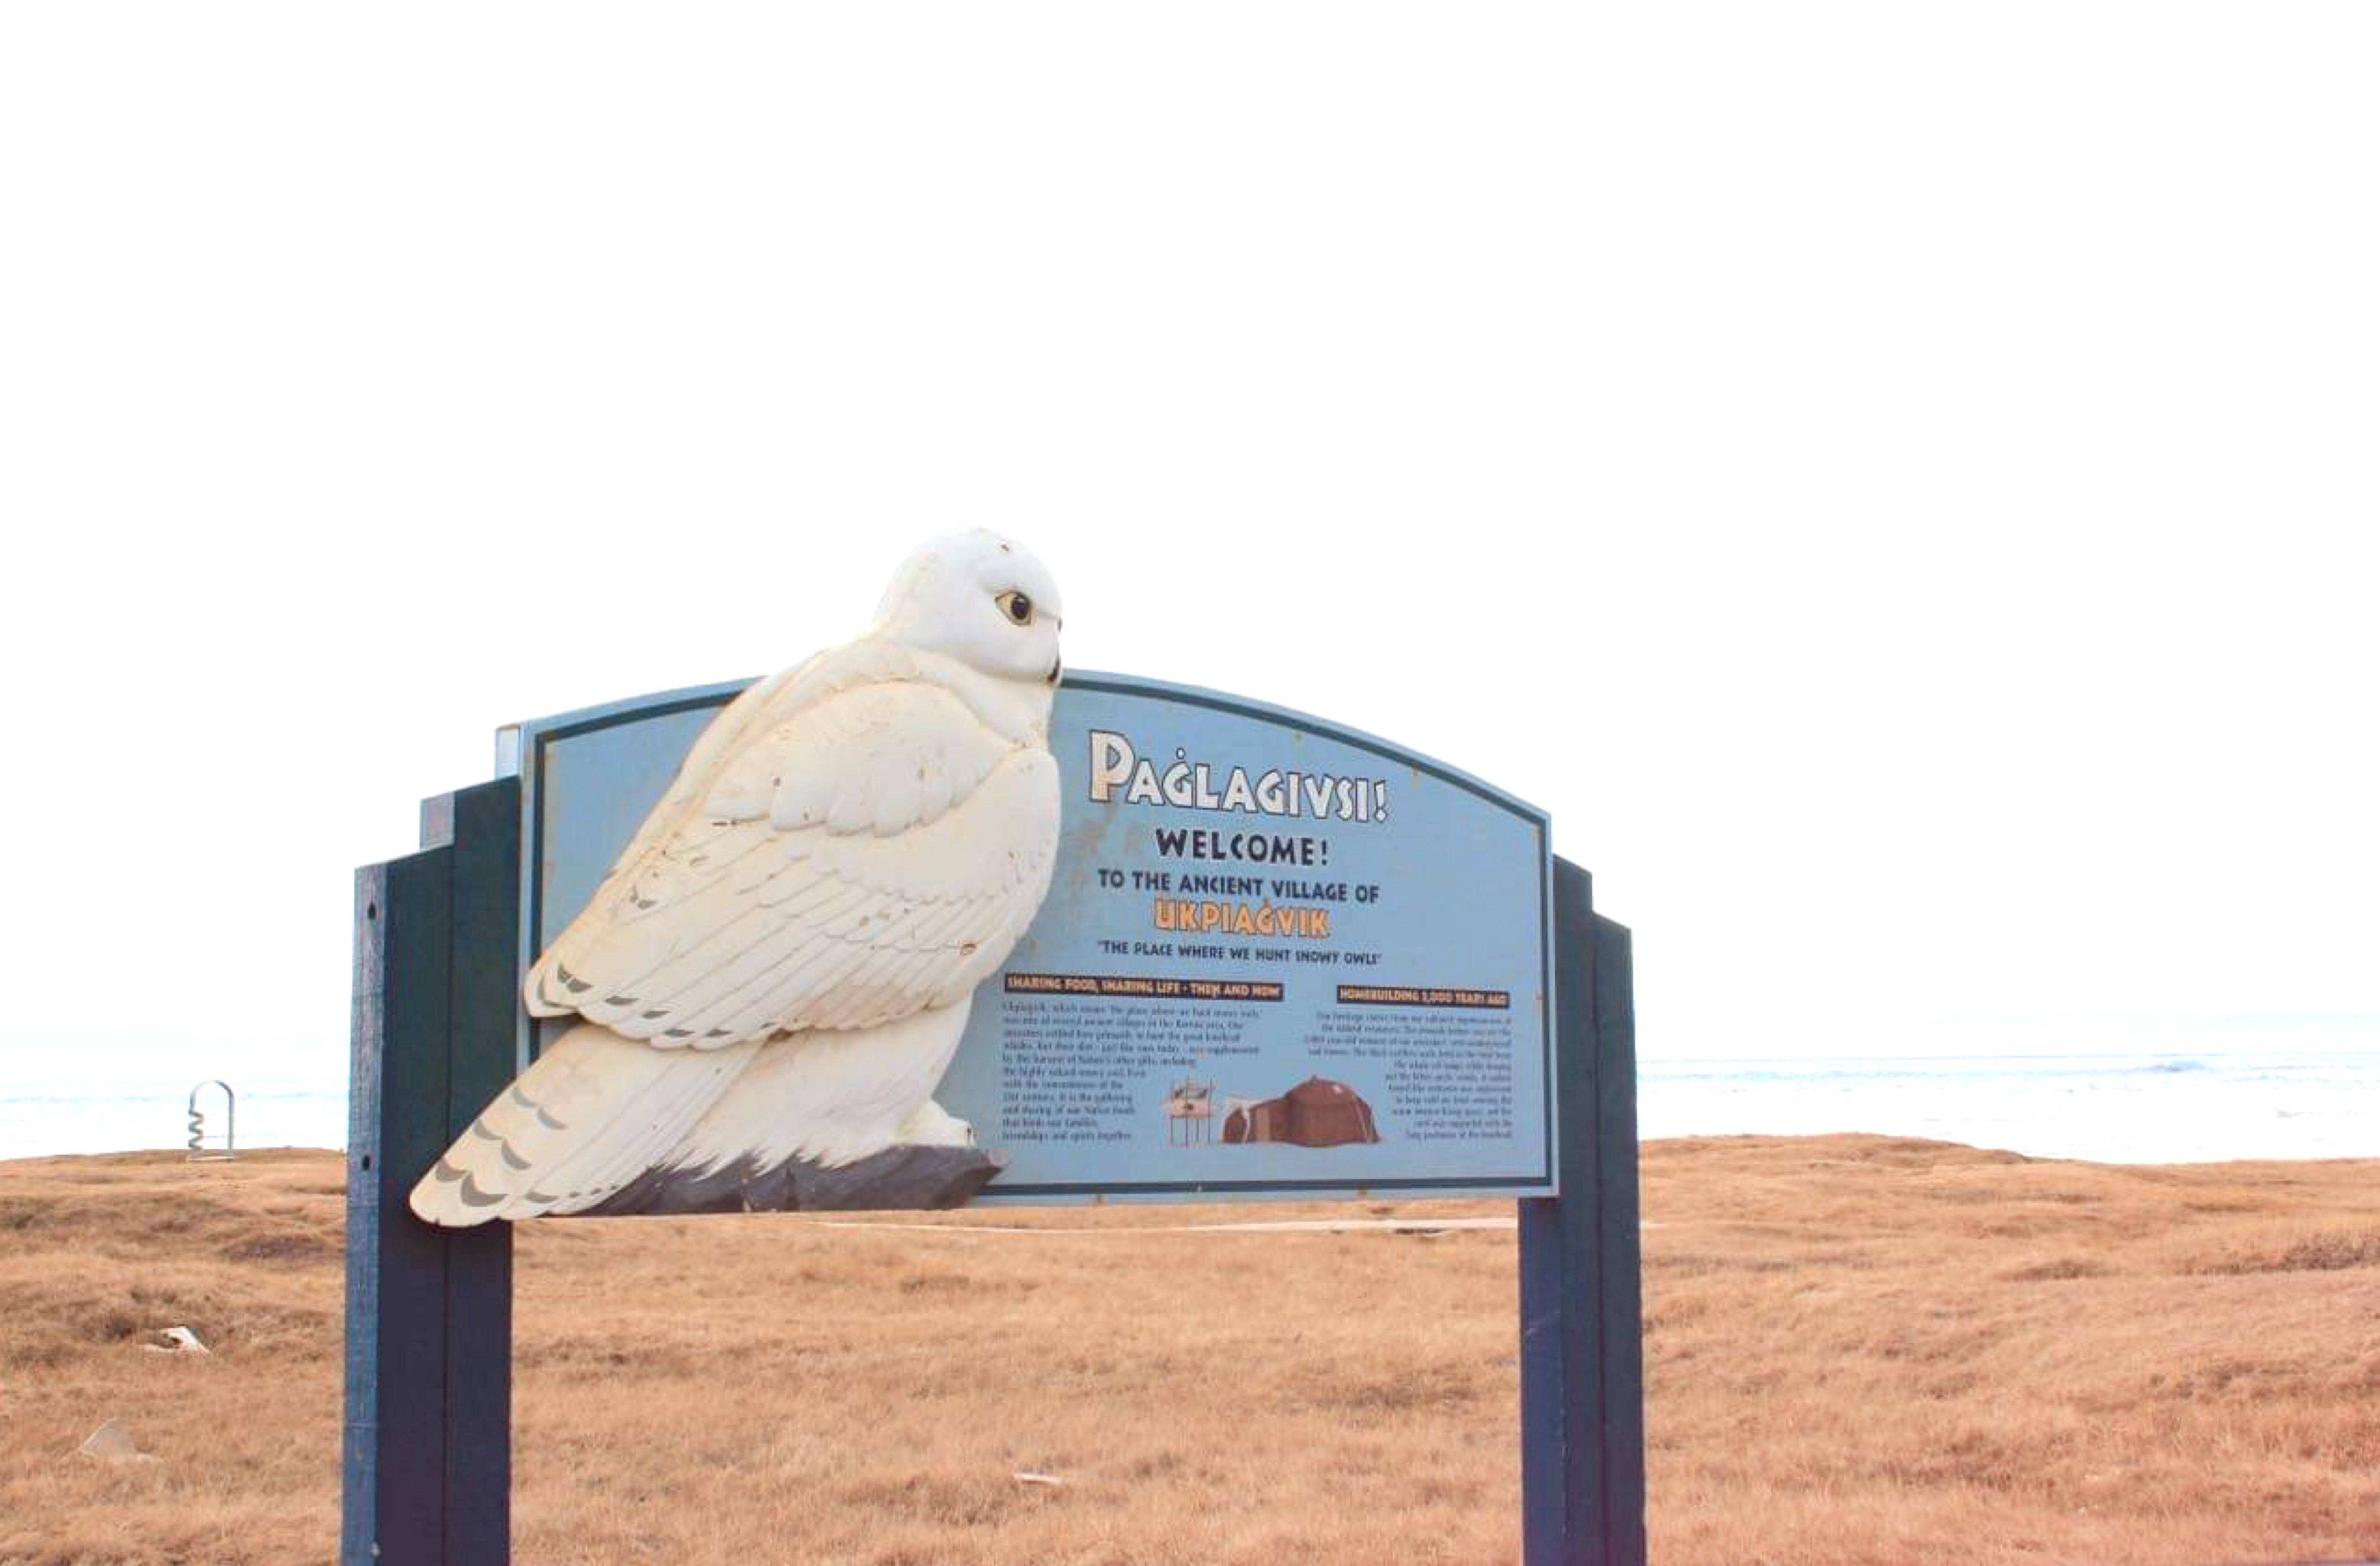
2113 1108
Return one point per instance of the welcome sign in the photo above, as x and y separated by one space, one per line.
1277 957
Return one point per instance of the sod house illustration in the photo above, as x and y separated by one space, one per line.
1318 1113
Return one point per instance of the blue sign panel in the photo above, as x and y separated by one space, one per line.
1277 957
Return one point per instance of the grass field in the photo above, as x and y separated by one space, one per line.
1860 1349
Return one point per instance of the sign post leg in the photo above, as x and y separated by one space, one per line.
426 1460
1582 1348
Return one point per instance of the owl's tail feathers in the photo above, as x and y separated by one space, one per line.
590 1114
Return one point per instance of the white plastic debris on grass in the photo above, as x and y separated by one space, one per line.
179 1339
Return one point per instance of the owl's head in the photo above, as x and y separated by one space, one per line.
979 598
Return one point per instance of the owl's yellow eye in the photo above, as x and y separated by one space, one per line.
1017 606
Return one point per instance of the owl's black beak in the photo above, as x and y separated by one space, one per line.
1057 667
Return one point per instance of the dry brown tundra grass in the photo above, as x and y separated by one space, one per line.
1861 1350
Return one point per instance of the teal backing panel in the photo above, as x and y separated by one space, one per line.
1412 972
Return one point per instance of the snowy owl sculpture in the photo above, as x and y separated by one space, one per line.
777 970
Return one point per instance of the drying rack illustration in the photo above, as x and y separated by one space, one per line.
1190 1114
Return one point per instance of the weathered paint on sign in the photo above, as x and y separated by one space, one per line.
1278 956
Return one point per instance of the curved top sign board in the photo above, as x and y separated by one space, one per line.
1277 957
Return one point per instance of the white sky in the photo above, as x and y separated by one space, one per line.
1898 482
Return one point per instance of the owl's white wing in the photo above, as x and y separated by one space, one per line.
872 854
753 706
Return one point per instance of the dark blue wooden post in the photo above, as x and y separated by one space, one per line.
1582 1314
426 1459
